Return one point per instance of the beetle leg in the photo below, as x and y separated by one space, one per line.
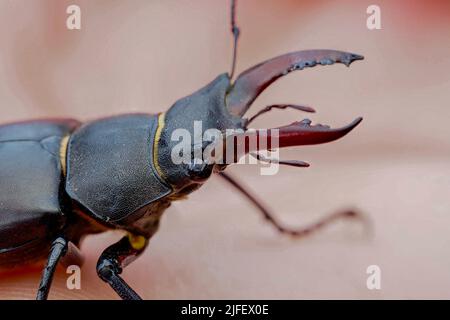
115 258
73 256
298 233
279 106
59 248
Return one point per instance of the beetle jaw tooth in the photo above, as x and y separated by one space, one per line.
252 82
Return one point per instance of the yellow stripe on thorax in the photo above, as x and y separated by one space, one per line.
63 153
161 122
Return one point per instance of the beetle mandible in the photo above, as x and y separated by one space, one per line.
61 179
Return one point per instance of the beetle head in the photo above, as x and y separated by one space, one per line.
189 128
181 142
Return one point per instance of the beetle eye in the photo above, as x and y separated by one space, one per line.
199 170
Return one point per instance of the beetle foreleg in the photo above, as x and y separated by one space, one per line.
298 233
73 256
59 248
115 258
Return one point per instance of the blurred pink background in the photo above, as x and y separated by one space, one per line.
141 55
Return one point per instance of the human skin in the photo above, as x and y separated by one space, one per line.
132 57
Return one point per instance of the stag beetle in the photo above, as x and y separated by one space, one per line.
61 179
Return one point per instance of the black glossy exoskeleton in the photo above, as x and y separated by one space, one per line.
61 179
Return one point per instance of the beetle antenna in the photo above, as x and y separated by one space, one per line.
235 31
